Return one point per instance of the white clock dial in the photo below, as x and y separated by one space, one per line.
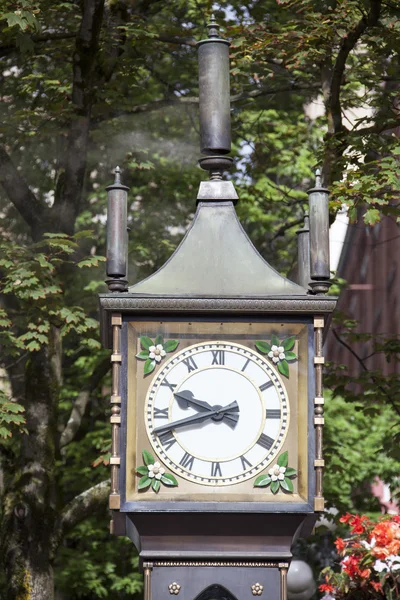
217 413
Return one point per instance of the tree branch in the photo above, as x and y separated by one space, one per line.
365 368
181 41
81 402
347 45
92 501
38 39
17 190
68 193
177 100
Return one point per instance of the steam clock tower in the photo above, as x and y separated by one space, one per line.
216 405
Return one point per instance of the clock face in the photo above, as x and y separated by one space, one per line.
217 413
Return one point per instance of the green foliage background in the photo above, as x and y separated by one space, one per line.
133 89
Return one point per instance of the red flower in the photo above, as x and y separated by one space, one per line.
387 535
326 587
350 565
376 585
358 524
365 573
340 544
346 518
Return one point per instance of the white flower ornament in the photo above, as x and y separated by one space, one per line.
157 352
277 473
156 470
280 353
153 352
279 477
153 474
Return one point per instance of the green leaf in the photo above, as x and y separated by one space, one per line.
171 345
143 355
146 342
169 479
290 356
262 481
283 459
263 347
274 487
142 470
92 261
283 367
287 485
32 346
144 482
159 340
288 343
5 433
148 458
275 341
372 216
149 366
156 485
290 472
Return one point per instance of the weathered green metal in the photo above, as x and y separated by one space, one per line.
216 259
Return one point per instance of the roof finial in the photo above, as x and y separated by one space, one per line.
213 28
117 175
318 178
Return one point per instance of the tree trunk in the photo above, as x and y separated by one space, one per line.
29 513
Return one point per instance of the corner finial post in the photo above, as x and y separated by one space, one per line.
117 241
319 237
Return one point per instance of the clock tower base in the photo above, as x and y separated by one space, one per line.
216 556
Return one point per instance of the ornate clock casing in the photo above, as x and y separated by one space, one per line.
217 399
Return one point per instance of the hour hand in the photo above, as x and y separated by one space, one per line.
185 399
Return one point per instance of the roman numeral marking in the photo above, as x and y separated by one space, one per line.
266 385
167 440
245 364
265 441
216 469
218 357
245 462
187 461
160 413
273 413
171 386
189 362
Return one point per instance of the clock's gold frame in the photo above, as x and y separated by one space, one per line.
188 332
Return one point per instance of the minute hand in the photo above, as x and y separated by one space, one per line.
195 419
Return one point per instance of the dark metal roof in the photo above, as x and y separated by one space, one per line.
216 259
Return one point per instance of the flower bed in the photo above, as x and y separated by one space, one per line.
370 565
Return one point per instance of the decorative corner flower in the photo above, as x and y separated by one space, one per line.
154 352
153 474
280 353
279 476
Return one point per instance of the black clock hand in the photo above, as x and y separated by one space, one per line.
182 422
185 399
219 413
